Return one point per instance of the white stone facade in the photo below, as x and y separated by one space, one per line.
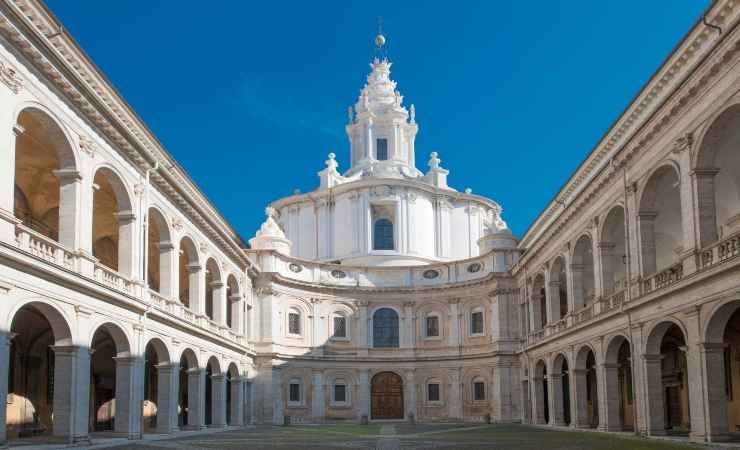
129 304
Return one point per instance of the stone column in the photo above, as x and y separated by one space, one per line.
237 401
364 393
127 244
706 210
597 268
197 294
71 392
196 398
610 419
578 299
319 396
688 225
454 338
554 300
505 392
219 302
218 400
168 263
167 396
579 387
646 224
4 368
7 167
129 395
69 207
655 421
277 401
410 395
555 387
407 325
695 375
362 326
713 391
538 403
237 317
454 398
608 264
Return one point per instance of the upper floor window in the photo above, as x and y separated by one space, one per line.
340 327
385 328
479 390
294 323
432 326
381 149
476 322
383 235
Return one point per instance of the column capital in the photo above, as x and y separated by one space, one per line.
67 175
218 377
124 217
217 284
194 267
708 172
713 347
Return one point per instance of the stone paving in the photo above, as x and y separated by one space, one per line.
403 436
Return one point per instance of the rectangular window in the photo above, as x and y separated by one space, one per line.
433 392
432 326
294 323
295 393
340 327
476 323
381 149
340 393
479 390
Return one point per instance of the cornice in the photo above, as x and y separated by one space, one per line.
628 134
39 36
685 76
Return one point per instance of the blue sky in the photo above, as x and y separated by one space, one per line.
251 96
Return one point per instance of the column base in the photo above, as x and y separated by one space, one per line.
81 441
558 423
697 437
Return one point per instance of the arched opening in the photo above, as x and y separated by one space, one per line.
156 387
620 408
159 253
188 411
539 302
561 391
189 271
35 396
541 399
586 394
386 396
46 179
232 303
614 252
667 380
659 219
109 379
385 328
716 178
722 353
583 273
558 289
113 226
233 393
214 294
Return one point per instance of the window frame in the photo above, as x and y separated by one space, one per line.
301 397
392 234
473 393
425 326
473 312
337 315
397 333
347 394
289 332
440 396
377 148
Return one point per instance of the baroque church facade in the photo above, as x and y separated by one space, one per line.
129 304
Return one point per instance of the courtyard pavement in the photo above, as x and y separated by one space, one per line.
393 436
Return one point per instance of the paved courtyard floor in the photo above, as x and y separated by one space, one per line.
405 436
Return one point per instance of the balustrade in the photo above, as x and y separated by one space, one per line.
720 252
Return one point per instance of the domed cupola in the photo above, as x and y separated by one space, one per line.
381 130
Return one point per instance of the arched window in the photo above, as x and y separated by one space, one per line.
385 328
383 235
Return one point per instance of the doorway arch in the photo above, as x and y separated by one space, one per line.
387 396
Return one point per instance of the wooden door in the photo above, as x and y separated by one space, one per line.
387 396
